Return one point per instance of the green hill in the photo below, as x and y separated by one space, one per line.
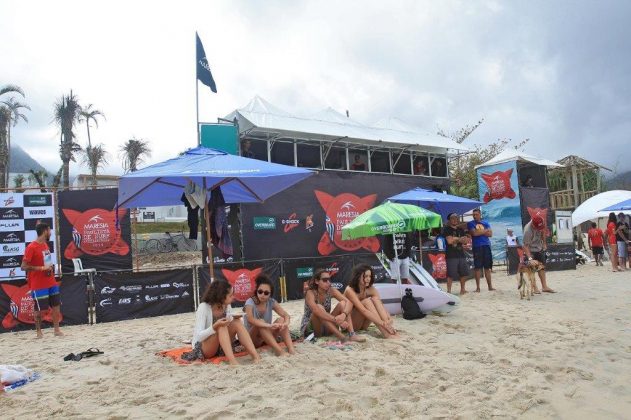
620 182
22 162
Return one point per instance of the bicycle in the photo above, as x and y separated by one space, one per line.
178 242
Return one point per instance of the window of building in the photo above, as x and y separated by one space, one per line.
283 152
254 149
438 166
421 164
403 165
336 158
358 160
380 162
308 155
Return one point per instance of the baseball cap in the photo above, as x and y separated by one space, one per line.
538 223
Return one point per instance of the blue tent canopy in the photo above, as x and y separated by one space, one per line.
437 202
241 180
622 206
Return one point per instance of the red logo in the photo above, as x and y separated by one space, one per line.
21 307
439 266
9 201
539 212
94 233
12 272
242 282
340 211
290 223
498 185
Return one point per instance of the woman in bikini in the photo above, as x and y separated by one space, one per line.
367 305
318 316
258 318
216 327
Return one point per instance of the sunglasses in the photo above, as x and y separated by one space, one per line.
263 292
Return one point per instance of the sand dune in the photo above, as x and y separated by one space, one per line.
566 355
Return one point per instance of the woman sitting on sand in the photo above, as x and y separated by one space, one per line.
318 317
258 318
216 327
367 305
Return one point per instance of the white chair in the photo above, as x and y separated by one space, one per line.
78 270
78 267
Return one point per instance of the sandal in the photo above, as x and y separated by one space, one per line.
89 353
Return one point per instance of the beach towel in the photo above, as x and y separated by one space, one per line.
176 355
15 376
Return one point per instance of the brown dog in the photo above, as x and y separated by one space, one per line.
529 268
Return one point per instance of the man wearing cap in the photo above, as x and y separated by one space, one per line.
535 247
457 266
480 232
512 241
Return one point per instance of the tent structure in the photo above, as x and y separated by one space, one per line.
510 155
261 117
437 202
593 207
624 206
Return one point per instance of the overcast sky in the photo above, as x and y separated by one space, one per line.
552 71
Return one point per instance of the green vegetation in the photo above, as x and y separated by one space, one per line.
161 227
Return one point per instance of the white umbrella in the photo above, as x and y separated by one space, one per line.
592 208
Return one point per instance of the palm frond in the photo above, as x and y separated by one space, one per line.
11 88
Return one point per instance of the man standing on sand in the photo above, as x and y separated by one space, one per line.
457 266
38 265
480 232
622 237
596 243
535 247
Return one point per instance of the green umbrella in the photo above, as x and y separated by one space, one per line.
390 218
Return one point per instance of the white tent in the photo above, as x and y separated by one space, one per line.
590 209
510 155
261 117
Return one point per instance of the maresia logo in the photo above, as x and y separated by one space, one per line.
290 223
33 200
498 186
11 214
264 223
242 282
21 307
97 231
10 262
9 201
11 237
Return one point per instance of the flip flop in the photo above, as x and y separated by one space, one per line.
91 352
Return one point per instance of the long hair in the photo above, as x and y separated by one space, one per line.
316 276
358 272
216 292
262 279
612 218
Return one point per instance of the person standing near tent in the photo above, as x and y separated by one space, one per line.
480 232
535 247
622 238
39 268
457 266
611 241
399 263
596 243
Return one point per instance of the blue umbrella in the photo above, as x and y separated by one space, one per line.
241 180
622 206
437 202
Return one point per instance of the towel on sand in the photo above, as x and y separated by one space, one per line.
176 355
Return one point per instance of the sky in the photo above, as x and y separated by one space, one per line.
555 72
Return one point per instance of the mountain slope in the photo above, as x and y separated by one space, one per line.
22 162
620 182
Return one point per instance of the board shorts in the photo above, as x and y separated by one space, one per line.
400 269
623 252
46 298
482 257
597 250
457 267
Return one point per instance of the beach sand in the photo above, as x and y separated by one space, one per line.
564 355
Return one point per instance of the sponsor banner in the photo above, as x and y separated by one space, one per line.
125 295
16 305
263 223
300 270
11 200
92 229
560 257
498 188
17 228
512 257
309 216
242 278
38 212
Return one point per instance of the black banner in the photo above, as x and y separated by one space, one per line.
16 305
306 219
241 277
513 255
91 229
125 295
535 201
298 271
560 257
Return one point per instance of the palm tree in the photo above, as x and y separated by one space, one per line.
88 113
18 181
11 89
57 177
5 122
133 152
14 107
40 178
66 115
95 157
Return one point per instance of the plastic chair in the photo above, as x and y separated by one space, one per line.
78 270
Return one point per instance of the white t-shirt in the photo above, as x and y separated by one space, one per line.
511 240
204 322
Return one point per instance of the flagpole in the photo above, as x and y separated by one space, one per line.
199 141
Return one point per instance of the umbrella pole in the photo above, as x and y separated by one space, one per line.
209 243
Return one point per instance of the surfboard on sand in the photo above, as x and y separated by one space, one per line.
428 299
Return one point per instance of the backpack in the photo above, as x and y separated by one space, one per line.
410 307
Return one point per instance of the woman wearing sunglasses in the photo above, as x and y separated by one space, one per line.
318 317
216 327
258 318
367 305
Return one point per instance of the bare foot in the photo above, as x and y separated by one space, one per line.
537 292
59 334
291 351
395 336
548 290
492 289
39 335
463 292
477 290
256 360
357 338
283 354
233 362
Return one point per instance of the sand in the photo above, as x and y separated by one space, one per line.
566 355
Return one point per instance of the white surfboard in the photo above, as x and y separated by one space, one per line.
427 280
428 299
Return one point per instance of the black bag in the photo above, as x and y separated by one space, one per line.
410 307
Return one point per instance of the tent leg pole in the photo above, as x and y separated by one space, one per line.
209 243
